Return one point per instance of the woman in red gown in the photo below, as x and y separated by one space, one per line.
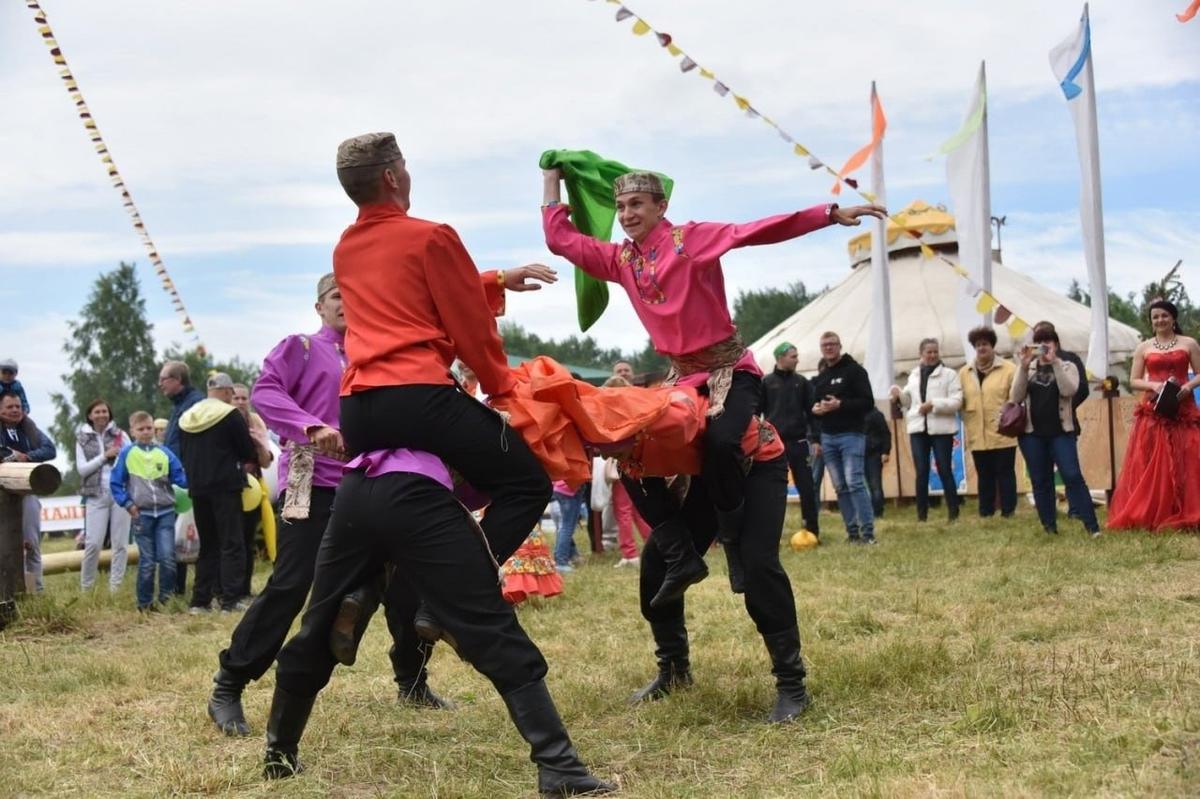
1159 486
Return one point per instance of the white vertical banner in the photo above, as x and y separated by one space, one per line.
971 195
881 361
1072 64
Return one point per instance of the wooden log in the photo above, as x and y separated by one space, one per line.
41 479
59 562
12 550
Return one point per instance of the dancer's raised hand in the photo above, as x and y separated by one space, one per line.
851 215
515 279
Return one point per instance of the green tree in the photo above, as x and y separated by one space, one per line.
110 351
1123 309
1133 309
756 312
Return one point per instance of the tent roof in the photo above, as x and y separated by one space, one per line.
934 224
924 293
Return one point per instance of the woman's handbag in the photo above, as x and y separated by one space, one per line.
1012 419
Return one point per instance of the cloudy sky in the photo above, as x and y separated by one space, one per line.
224 119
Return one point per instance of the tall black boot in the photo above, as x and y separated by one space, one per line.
351 621
684 565
788 668
674 668
729 530
225 704
285 724
560 772
413 678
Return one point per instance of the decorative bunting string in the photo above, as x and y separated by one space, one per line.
93 132
1017 327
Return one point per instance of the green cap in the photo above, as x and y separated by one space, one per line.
783 347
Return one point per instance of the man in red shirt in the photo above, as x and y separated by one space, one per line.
414 301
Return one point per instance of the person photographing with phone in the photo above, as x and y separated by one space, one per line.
1045 385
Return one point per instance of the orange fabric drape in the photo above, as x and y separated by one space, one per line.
878 126
654 431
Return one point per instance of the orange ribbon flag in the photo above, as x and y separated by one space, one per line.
1189 12
878 126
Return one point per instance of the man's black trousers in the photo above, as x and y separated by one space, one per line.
221 567
469 437
417 524
260 634
802 475
769 599
721 465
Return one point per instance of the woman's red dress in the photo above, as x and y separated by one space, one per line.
1159 485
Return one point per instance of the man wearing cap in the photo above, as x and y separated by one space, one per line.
413 302
672 274
216 451
297 394
787 398
9 382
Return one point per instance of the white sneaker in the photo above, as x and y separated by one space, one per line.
627 562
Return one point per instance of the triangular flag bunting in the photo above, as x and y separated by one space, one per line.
687 64
1002 315
986 303
640 28
623 14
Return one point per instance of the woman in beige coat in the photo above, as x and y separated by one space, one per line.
986 383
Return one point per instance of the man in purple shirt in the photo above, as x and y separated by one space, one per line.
297 396
397 505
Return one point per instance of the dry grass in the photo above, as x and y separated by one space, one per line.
985 659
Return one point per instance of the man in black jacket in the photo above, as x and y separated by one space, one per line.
879 450
216 447
22 442
787 397
842 398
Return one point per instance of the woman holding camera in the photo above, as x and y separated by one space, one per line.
1159 486
1045 385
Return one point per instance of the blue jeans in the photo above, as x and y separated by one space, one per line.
1042 454
571 506
844 454
155 537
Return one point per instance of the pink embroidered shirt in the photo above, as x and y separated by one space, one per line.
674 277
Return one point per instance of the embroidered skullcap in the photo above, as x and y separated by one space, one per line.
638 181
326 284
369 149
783 347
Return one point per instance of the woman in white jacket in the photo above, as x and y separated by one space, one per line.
932 398
97 444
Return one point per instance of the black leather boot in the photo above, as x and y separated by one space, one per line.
560 772
684 565
729 530
412 677
285 724
674 668
351 621
419 694
430 629
225 704
788 668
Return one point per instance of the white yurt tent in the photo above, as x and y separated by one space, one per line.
924 293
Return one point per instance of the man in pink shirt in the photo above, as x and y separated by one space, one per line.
672 274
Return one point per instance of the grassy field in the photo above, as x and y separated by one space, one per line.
982 659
